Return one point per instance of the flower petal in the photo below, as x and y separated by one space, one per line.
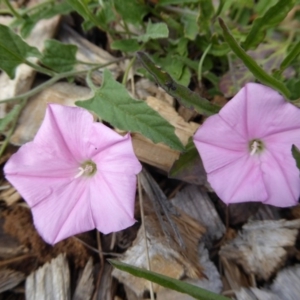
65 132
119 158
218 144
56 220
37 173
240 181
112 201
281 177
258 111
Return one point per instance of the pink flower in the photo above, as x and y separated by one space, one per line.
76 175
246 148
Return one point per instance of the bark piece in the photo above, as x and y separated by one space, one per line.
259 248
194 201
105 289
33 114
9 279
165 258
256 294
51 281
85 285
287 283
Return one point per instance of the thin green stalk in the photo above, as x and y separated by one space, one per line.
55 79
39 68
13 126
125 77
12 10
202 60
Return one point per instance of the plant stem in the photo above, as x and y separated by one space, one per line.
13 126
125 77
55 79
201 61
12 10
39 68
145 234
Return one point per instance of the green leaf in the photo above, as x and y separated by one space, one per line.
168 282
270 19
129 45
296 155
58 56
293 86
207 12
4 122
291 56
183 94
13 51
190 23
113 104
106 14
171 2
81 7
266 55
250 63
188 167
46 11
154 31
132 11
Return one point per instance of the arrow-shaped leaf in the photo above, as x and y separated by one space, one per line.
13 51
113 104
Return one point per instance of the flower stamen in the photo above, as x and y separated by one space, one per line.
87 169
255 147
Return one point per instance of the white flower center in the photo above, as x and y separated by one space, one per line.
256 146
87 169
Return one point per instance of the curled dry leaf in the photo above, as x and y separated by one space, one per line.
51 281
259 248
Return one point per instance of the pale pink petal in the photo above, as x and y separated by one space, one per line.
64 212
259 111
218 144
119 158
112 201
240 181
281 177
283 139
37 173
66 132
